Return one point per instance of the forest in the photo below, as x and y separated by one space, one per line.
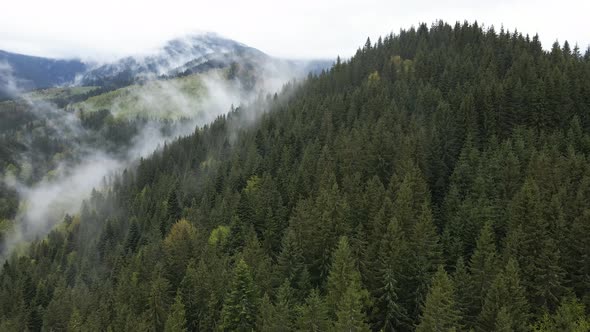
438 180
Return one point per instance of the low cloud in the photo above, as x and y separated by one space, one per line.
10 86
43 204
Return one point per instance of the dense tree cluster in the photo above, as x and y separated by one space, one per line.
437 181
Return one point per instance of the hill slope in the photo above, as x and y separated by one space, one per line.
438 180
36 72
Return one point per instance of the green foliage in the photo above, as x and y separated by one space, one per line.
505 302
240 305
440 311
570 317
218 236
167 99
313 314
176 321
179 248
346 297
334 210
158 303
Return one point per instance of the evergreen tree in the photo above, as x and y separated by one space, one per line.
176 321
505 294
240 305
464 294
313 314
483 266
425 256
570 316
179 248
450 143
191 299
535 248
266 316
291 265
390 313
284 306
440 311
158 302
346 297
349 314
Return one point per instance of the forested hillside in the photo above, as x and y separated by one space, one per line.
437 181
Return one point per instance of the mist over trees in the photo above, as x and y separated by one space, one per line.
437 181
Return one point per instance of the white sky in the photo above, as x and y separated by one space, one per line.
297 29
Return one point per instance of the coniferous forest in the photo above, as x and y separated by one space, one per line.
439 180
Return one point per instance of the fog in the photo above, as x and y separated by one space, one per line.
9 85
45 203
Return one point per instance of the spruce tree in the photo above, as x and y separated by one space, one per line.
425 256
389 311
440 312
349 312
240 305
464 294
291 265
158 302
346 297
176 321
313 314
191 299
507 293
535 248
483 266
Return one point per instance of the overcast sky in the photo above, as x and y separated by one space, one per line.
298 29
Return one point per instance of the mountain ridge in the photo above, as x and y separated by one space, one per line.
189 54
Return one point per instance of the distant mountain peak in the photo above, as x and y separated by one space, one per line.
172 57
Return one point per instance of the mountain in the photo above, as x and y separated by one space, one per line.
31 72
189 55
437 180
181 56
175 56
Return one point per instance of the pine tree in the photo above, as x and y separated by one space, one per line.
570 316
313 314
133 236
483 266
505 293
179 247
284 312
266 316
389 312
464 295
410 198
158 302
346 298
535 249
504 322
173 207
578 251
176 321
349 312
440 312
343 275
425 256
76 322
240 305
291 265
191 299
377 228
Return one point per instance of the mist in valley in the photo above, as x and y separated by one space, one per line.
91 163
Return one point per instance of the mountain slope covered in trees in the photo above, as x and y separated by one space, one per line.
437 181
